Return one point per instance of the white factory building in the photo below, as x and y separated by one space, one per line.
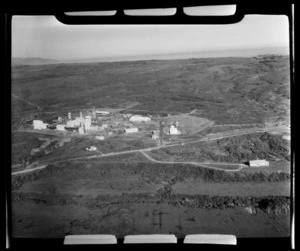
174 130
155 135
138 118
60 127
73 123
39 125
258 163
87 122
101 112
131 130
80 130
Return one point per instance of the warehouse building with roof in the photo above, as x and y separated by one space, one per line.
131 130
138 118
39 125
258 163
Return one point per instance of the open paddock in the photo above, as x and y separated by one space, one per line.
191 187
188 124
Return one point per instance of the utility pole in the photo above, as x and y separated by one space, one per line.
81 128
161 132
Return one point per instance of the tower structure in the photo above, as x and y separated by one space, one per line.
161 132
81 128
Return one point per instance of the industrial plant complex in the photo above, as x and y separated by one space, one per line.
103 123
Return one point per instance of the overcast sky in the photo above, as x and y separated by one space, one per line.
45 37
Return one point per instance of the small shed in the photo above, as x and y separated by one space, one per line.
258 163
92 148
131 130
100 137
251 210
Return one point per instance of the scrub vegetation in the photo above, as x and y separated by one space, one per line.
132 193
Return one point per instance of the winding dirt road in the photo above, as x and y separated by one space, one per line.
29 170
27 102
201 164
44 164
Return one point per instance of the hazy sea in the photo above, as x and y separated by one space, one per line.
167 56
199 54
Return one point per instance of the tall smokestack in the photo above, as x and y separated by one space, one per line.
161 132
82 123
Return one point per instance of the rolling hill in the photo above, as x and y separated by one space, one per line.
225 90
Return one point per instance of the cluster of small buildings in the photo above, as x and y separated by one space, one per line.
94 121
113 123
79 124
103 121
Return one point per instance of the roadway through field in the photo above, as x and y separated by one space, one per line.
201 164
148 149
27 102
249 131
30 170
236 125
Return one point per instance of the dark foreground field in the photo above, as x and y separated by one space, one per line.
56 221
120 199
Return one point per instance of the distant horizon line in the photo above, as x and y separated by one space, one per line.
166 56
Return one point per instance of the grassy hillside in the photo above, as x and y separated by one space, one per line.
151 173
226 90
234 149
